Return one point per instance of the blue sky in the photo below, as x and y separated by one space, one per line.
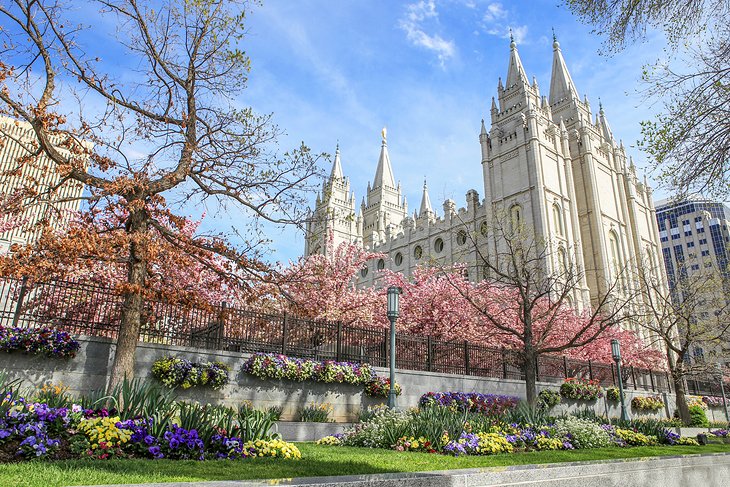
340 71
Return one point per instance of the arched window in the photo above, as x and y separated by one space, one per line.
364 272
617 264
558 219
398 258
418 252
381 264
484 229
461 237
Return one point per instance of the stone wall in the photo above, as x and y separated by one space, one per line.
89 371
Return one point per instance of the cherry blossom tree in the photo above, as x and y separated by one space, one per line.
143 144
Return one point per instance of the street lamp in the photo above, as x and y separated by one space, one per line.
393 311
616 353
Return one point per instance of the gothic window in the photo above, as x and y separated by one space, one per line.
484 229
516 216
438 245
398 258
418 252
461 237
364 272
381 264
615 256
558 218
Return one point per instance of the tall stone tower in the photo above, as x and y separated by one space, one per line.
334 213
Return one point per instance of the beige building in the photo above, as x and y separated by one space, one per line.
547 161
57 199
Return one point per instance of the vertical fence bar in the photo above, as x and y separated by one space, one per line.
21 297
338 349
429 353
651 377
504 363
633 376
613 376
467 367
284 332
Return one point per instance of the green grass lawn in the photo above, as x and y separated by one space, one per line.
318 461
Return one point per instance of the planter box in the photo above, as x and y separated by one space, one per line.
304 431
691 432
718 440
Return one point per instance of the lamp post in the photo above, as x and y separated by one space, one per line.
616 353
393 311
722 391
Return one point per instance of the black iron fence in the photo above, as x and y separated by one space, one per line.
95 310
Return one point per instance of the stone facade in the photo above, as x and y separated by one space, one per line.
547 162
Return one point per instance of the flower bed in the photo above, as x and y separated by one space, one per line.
647 403
380 387
178 372
277 366
47 341
155 427
613 394
581 389
488 404
713 401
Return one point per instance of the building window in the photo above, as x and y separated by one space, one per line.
705 253
562 261
438 245
364 272
461 237
418 252
690 244
516 216
616 263
558 218
398 258
484 229
381 264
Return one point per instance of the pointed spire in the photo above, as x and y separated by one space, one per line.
384 172
561 84
426 208
605 128
515 71
483 131
337 166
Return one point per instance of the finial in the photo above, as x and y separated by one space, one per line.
556 44
600 106
555 39
384 134
337 149
424 182
512 43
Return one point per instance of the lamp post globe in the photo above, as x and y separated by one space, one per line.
393 312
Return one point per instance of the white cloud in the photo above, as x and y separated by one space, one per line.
416 15
494 12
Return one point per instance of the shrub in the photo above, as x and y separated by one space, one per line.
548 399
647 403
580 389
47 341
380 387
381 430
583 433
489 404
178 372
698 417
316 413
613 394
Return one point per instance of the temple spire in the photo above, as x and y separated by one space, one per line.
605 128
337 166
384 172
426 208
561 84
515 71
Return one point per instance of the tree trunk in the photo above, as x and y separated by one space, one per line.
131 316
676 369
530 368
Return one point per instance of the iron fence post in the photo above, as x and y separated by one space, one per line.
338 352
467 370
21 297
565 367
284 333
613 376
429 353
590 370
651 377
633 376
504 363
